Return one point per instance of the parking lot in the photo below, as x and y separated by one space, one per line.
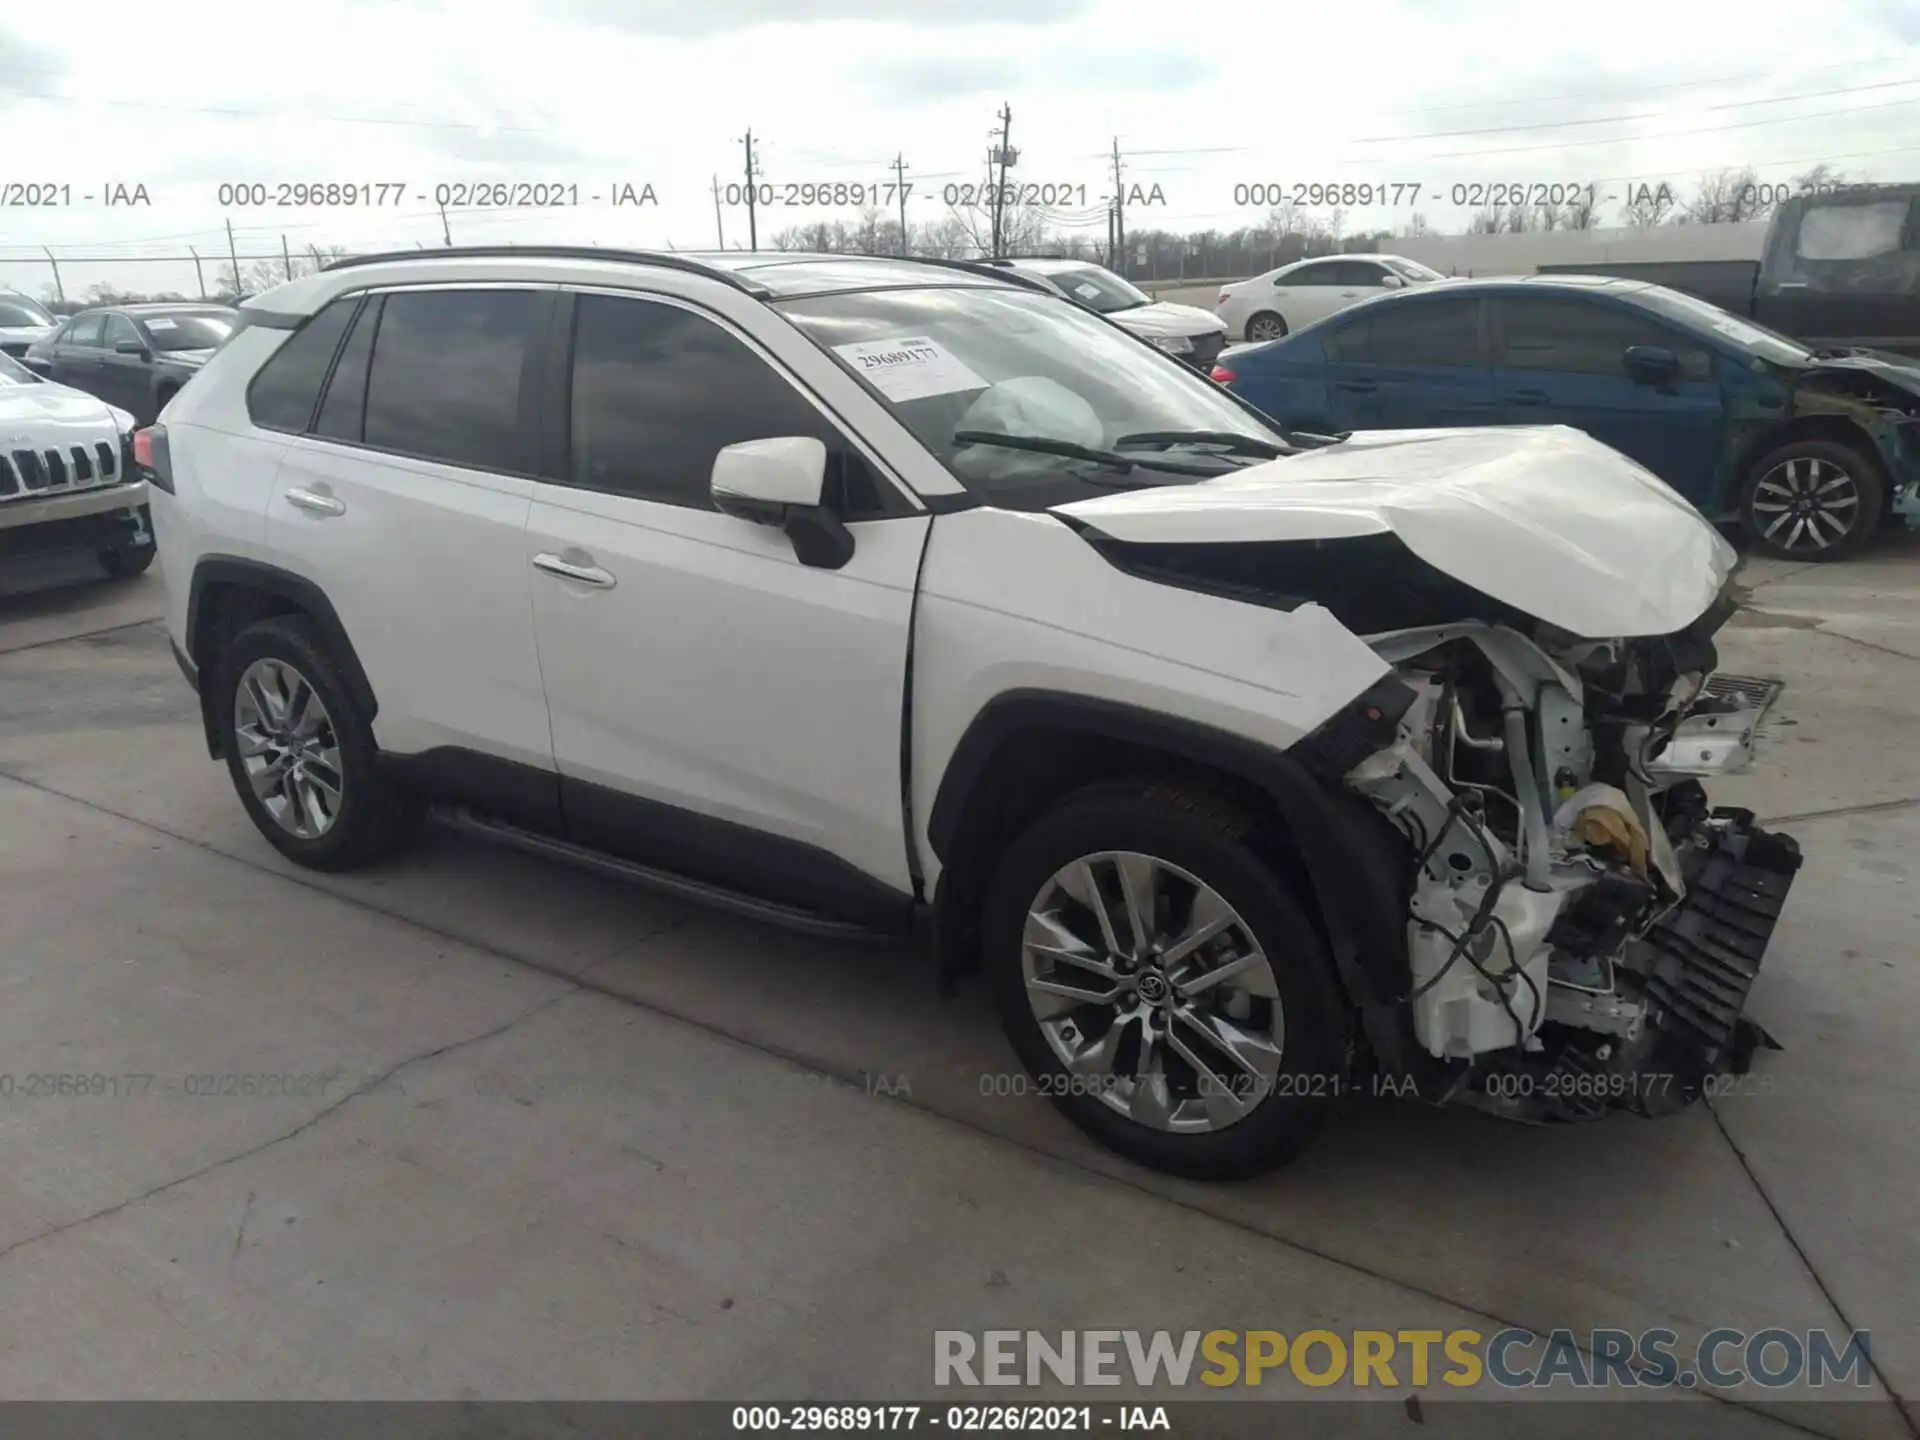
551 1136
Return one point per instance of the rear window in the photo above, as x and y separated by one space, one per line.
22 314
284 393
187 329
1426 332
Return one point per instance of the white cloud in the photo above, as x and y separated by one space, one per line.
599 92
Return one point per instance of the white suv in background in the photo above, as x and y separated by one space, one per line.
1294 296
856 593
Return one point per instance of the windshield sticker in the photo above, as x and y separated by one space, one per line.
160 324
1086 290
910 368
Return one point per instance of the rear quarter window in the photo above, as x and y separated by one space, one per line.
287 389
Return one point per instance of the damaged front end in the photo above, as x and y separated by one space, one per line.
1583 927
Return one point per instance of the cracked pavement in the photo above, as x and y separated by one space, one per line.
545 1136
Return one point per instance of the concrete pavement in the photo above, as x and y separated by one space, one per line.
554 1137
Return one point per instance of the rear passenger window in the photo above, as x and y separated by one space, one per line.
1416 332
283 394
446 376
344 411
658 391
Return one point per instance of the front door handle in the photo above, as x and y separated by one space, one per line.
1358 387
586 574
314 503
1528 397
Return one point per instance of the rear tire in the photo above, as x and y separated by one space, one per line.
301 754
1812 500
1266 326
1264 974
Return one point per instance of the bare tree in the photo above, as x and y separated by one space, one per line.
1485 221
1518 220
1647 207
1728 197
1582 212
1417 226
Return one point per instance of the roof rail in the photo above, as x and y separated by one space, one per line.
666 260
984 267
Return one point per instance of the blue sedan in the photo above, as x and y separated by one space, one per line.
1810 451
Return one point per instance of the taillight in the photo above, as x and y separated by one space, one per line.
1223 375
150 453
1224 295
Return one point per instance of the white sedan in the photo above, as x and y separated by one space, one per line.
1282 301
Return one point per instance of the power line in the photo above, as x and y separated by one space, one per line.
1527 128
1642 115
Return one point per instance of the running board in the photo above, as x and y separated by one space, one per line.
772 912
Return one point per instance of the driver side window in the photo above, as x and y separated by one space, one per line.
83 331
658 391
120 331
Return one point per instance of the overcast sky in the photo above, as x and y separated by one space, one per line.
1203 95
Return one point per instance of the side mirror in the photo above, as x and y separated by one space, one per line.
1392 282
782 482
133 347
1651 364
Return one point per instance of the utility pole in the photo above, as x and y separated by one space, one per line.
753 228
900 189
1006 156
233 254
1119 213
286 257
199 275
719 230
446 231
58 288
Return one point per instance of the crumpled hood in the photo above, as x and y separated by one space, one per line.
1165 320
1543 518
1900 370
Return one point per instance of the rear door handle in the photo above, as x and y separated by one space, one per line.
586 574
1528 397
314 503
1358 387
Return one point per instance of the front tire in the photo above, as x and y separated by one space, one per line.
300 753
123 562
1266 326
1812 500
1162 985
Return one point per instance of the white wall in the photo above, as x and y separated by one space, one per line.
1522 254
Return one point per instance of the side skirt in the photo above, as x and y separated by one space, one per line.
502 832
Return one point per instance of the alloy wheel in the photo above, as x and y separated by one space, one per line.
1152 992
1265 327
288 748
1805 504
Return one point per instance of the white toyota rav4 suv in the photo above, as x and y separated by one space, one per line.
857 592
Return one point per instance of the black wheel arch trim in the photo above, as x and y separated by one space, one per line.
229 570
1352 858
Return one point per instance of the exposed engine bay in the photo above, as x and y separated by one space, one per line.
1583 926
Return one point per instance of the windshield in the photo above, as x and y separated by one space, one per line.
1411 270
1099 289
18 311
12 372
1012 362
188 329
1736 330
